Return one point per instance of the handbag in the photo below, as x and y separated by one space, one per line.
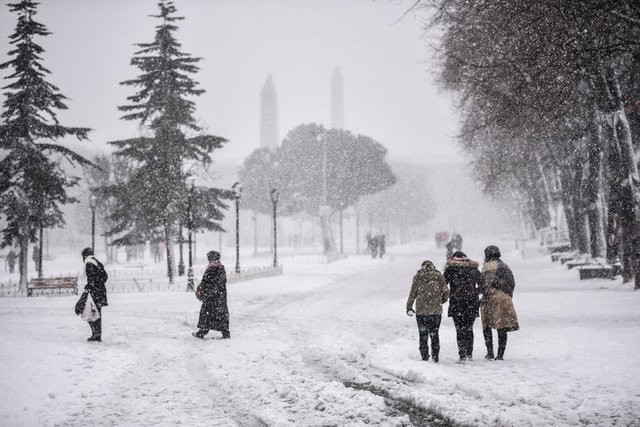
90 312
81 303
200 293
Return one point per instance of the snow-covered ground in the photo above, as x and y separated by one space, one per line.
325 344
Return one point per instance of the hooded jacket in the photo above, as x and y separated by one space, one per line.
429 291
466 283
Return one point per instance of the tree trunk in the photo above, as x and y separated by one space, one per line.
168 241
328 245
593 186
24 258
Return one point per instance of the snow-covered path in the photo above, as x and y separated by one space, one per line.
325 345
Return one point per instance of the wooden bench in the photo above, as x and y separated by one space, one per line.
599 272
67 283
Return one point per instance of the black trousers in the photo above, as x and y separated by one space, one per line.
502 340
464 334
96 327
428 327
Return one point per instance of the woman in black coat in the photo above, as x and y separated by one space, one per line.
465 283
212 291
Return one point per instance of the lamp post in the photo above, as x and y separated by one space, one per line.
190 286
274 199
237 189
181 259
93 202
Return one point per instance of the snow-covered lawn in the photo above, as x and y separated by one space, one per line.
325 345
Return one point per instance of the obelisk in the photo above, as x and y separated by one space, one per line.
269 115
337 100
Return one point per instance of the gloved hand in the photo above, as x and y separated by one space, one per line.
410 312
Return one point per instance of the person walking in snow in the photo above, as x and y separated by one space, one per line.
96 279
466 283
11 260
429 291
212 291
496 305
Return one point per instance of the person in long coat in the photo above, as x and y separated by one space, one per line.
496 306
466 284
96 279
212 291
429 291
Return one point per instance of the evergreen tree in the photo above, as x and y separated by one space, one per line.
32 183
155 196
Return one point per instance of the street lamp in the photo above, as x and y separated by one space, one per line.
93 202
237 189
274 199
190 286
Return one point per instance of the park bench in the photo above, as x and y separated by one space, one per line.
599 271
66 283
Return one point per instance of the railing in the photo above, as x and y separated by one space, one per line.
119 283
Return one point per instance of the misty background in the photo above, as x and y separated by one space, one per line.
388 80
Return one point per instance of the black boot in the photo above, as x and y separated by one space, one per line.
502 344
488 340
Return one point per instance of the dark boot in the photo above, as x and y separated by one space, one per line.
488 340
200 334
226 334
502 344
96 330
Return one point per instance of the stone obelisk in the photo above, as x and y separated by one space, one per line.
269 115
337 100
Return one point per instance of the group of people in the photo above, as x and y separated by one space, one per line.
376 245
212 291
471 294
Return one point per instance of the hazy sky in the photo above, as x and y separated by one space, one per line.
389 92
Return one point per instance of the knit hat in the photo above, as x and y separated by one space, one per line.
213 256
459 254
491 252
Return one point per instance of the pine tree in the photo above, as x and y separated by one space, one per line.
32 183
155 196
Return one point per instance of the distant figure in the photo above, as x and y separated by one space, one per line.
465 283
442 237
155 250
372 244
212 291
429 291
96 279
457 242
36 257
450 249
11 260
496 306
381 245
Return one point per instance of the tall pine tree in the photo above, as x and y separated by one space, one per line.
32 183
155 196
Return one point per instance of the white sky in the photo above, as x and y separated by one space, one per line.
389 92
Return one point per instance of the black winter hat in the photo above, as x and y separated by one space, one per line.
87 252
458 254
491 252
213 256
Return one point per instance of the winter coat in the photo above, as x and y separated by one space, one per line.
429 291
496 305
465 283
214 313
96 279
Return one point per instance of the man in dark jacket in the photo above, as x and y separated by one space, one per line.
96 279
465 283
212 291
